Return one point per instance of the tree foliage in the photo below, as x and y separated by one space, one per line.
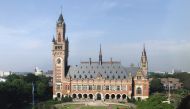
154 102
156 86
17 90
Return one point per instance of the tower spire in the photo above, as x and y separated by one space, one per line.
100 55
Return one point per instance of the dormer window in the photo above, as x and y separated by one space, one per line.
118 77
113 76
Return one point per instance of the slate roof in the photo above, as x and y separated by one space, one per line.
107 70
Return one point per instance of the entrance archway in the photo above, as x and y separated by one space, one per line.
112 96
90 96
74 95
85 95
80 96
58 95
118 96
107 96
98 96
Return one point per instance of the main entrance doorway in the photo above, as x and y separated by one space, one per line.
98 96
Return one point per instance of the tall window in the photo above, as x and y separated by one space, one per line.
58 87
139 90
79 87
84 87
118 87
90 87
107 87
98 87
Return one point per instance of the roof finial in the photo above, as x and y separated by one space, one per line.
61 8
100 55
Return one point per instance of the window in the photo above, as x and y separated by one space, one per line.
118 87
98 87
124 77
85 76
74 87
84 87
58 87
112 87
74 76
139 91
107 87
90 87
138 77
124 88
118 77
113 76
107 77
80 76
79 87
90 76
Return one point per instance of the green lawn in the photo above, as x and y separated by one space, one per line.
75 106
70 106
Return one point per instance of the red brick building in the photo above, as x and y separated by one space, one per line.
95 80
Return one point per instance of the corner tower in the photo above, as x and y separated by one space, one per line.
60 57
144 62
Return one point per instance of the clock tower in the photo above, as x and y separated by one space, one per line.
60 58
144 62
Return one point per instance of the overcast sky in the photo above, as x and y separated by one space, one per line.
121 26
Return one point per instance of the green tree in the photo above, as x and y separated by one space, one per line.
154 102
156 86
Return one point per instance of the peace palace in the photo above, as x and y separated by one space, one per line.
95 80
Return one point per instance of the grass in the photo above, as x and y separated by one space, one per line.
75 106
93 107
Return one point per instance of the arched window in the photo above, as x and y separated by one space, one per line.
80 76
74 76
139 90
85 76
90 76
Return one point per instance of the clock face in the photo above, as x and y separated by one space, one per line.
58 61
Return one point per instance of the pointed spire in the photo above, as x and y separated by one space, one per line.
100 55
144 51
53 40
60 20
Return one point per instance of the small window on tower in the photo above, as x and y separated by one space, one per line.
59 37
